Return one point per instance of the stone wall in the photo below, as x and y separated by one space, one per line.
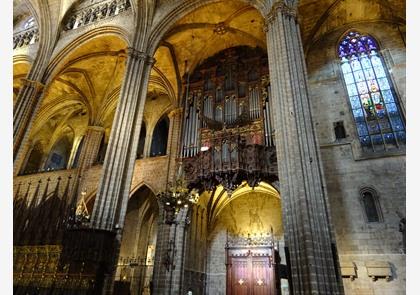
347 169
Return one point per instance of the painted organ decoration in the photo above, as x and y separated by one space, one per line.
228 133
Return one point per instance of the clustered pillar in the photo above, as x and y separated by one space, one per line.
112 197
308 235
91 145
113 191
24 111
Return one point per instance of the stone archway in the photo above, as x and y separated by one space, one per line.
136 257
245 251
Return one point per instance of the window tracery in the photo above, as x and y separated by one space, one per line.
376 111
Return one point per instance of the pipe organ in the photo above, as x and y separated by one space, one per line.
228 117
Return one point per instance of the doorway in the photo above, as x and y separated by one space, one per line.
250 271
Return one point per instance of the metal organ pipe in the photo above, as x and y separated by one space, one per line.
196 125
254 103
234 115
190 118
187 137
193 121
257 102
185 127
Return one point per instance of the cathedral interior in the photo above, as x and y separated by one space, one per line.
209 147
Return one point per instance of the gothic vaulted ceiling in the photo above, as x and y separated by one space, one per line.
88 84
208 30
203 33
319 17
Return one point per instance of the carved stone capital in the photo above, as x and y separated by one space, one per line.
286 10
38 86
96 128
137 54
175 112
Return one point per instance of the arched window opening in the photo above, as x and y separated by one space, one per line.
160 138
142 140
34 160
79 150
59 154
376 111
371 205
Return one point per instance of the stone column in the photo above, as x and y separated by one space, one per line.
175 117
169 261
113 191
308 231
90 148
27 101
114 186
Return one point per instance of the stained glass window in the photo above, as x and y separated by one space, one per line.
375 107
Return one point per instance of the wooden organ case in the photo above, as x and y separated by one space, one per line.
228 134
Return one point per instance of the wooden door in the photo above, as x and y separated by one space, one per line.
262 276
241 279
250 273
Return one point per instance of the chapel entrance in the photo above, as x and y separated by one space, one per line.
250 271
245 250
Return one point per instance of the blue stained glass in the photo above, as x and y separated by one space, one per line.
392 109
401 136
376 60
346 68
355 64
376 97
396 123
373 128
358 115
379 71
348 78
377 139
365 62
362 87
380 113
351 88
389 138
365 141
369 74
355 102
383 83
387 95
384 124
361 129
358 75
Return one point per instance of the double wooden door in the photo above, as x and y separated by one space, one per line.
250 272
